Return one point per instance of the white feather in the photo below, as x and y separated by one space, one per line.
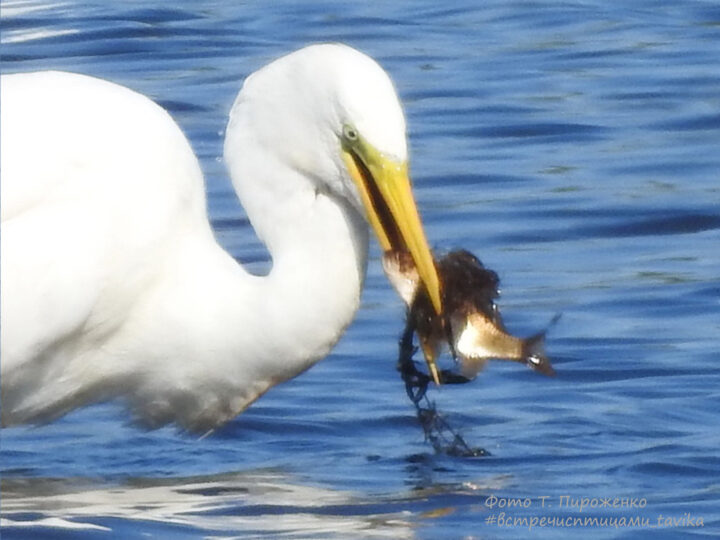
113 284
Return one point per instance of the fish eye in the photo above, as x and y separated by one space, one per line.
350 133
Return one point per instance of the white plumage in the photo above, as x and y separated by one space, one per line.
113 285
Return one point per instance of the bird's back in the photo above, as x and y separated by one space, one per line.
66 135
98 183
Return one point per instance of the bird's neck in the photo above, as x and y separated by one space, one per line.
263 330
318 245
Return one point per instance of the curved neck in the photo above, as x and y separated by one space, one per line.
318 244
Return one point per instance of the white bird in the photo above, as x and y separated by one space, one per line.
113 284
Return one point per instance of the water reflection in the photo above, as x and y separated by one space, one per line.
246 504
257 502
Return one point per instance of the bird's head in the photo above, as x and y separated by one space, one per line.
346 132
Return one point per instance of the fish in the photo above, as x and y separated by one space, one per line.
471 324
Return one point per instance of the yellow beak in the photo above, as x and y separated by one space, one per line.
384 187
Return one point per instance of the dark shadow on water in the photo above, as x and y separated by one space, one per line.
438 431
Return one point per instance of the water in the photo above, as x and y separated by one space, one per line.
573 146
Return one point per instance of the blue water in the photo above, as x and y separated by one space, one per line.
573 146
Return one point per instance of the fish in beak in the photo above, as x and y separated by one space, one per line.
470 323
477 339
386 193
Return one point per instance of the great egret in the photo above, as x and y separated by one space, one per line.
113 285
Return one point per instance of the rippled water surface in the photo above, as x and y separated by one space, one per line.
574 146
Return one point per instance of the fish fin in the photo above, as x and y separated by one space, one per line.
470 367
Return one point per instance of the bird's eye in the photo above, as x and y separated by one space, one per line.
350 133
